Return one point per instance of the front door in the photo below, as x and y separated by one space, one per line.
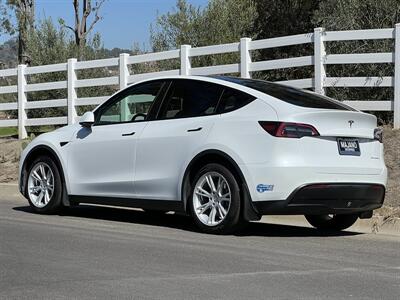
101 159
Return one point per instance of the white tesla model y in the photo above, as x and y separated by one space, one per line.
221 149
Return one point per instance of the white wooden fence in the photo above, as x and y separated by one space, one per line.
244 68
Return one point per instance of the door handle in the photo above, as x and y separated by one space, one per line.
128 134
195 129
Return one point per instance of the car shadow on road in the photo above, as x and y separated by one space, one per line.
182 222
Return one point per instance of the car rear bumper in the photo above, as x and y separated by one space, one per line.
326 198
284 180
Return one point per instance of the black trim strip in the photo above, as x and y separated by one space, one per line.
166 205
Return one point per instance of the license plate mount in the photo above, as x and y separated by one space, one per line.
347 146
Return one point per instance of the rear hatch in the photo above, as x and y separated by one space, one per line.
327 136
345 143
339 123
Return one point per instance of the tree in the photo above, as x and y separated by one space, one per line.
357 14
182 26
7 52
50 44
282 18
25 17
221 21
226 21
6 25
285 17
80 29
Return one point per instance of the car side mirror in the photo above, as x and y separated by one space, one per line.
87 120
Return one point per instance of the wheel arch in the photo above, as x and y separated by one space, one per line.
249 212
34 153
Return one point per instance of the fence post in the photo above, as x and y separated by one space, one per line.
245 58
396 103
22 117
123 70
319 59
123 83
72 96
185 59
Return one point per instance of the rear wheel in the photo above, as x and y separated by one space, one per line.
332 222
215 200
44 186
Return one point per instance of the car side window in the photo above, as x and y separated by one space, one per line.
233 99
190 98
133 105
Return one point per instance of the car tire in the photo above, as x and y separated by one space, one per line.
218 217
332 222
36 189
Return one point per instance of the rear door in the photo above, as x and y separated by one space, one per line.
185 119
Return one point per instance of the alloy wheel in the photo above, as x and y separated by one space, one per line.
211 198
41 185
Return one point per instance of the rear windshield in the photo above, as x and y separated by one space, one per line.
289 94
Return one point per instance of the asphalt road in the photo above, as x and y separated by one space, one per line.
96 252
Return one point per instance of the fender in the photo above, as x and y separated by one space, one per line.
249 212
24 171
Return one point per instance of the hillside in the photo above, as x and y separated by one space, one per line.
8 54
9 59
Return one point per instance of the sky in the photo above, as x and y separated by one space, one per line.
124 21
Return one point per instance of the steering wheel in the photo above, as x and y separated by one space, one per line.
139 115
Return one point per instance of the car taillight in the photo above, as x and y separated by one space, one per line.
378 134
288 130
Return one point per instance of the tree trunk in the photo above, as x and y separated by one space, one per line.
81 48
25 13
80 29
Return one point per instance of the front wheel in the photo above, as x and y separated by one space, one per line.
215 200
44 186
332 222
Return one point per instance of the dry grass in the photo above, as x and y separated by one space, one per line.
10 150
385 216
390 212
392 159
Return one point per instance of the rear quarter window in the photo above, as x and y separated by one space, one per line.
232 99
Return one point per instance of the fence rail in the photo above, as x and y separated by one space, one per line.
244 67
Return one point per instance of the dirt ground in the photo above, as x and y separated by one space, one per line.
392 159
10 150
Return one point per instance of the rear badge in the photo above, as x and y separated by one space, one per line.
261 188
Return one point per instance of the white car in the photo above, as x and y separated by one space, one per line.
221 149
